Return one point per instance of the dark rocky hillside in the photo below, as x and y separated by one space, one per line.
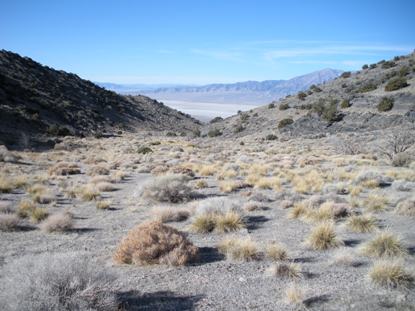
38 102
377 97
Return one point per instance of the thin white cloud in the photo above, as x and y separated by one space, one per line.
334 50
350 63
235 56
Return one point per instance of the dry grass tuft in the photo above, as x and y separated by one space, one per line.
276 252
273 183
220 222
375 202
38 214
361 223
89 193
310 182
204 223
230 185
285 270
155 243
391 274
201 184
228 222
294 295
384 244
60 222
239 249
64 168
166 214
299 210
323 236
98 170
6 184
103 204
25 208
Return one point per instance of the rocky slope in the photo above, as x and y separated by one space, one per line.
354 102
248 92
37 101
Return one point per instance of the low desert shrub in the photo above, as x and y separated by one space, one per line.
298 211
57 282
388 64
229 222
155 243
367 88
9 222
285 122
144 150
384 244
345 104
391 274
168 188
271 137
301 95
284 107
59 222
214 132
323 237
239 249
98 170
406 208
402 159
346 74
385 104
105 186
396 84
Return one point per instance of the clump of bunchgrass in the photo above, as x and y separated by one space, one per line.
384 244
323 237
389 274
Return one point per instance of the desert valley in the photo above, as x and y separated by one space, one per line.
305 203
207 155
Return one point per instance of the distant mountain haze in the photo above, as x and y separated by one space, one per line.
246 93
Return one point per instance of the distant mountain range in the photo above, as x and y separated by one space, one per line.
249 92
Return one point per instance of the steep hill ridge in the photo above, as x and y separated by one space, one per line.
37 101
349 103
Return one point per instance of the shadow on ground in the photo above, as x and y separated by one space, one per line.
208 255
160 301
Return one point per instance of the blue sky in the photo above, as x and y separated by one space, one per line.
200 42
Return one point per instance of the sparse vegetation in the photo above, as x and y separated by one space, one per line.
57 282
361 223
